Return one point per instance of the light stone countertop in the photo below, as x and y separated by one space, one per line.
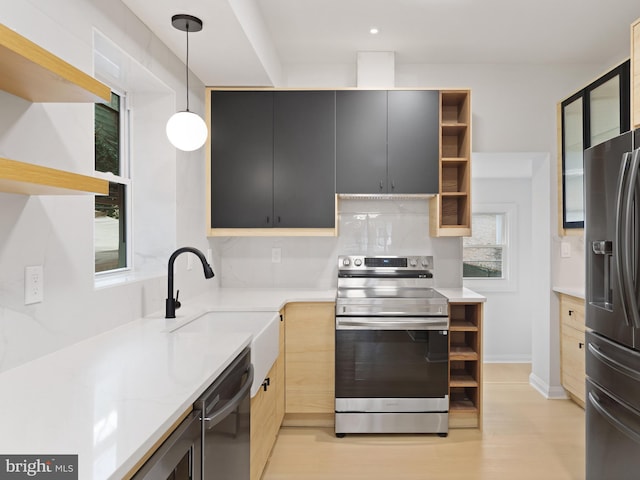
461 295
572 291
109 398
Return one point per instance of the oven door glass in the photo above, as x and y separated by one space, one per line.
392 363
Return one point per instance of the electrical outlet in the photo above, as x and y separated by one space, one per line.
33 284
276 255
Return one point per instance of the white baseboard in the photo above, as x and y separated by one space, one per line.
547 391
506 359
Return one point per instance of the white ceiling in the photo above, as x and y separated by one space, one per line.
247 42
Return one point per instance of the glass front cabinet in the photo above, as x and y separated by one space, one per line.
591 116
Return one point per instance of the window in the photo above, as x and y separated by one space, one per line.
484 253
111 211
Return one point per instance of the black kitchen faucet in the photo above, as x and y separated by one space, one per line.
172 303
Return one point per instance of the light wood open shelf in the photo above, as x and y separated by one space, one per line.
465 405
453 128
31 72
462 378
454 160
462 352
462 326
29 179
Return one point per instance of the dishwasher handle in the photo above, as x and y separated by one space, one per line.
211 419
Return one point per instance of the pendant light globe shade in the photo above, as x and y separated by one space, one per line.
187 131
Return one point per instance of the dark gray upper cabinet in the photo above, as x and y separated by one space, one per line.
413 141
304 159
272 159
361 141
241 159
387 142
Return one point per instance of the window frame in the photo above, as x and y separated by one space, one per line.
509 261
124 178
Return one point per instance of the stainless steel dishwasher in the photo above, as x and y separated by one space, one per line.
212 443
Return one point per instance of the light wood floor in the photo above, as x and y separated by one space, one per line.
525 436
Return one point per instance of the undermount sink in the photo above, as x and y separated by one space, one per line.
264 328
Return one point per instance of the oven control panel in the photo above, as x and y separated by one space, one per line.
362 263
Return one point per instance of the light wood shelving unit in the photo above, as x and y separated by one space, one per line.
450 210
36 75
465 365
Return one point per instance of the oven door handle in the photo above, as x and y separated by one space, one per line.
392 323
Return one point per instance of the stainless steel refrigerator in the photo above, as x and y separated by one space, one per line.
612 239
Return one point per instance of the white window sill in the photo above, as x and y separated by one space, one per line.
123 277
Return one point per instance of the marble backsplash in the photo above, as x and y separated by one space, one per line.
365 226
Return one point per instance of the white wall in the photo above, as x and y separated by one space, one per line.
508 311
57 232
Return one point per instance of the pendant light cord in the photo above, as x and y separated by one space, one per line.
187 65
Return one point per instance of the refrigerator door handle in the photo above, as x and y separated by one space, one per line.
621 233
611 418
614 364
629 239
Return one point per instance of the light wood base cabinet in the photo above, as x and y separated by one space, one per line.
465 365
264 427
572 347
310 359
267 411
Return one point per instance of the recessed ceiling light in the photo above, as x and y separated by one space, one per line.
374 31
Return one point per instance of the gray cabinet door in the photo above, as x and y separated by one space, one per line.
361 141
304 159
241 159
413 141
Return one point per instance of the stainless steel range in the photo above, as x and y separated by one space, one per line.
392 347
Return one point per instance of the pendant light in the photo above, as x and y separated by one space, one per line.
186 130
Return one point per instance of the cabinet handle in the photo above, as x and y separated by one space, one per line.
570 312
266 383
281 318
580 345
278 218
268 218
393 185
381 185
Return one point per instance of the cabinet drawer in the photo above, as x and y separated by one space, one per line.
572 312
573 360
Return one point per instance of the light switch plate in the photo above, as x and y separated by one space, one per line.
565 249
276 255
